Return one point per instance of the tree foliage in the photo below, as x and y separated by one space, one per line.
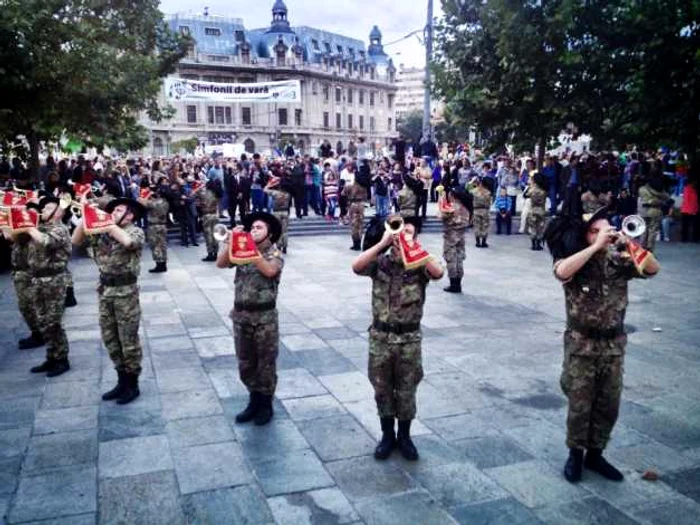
410 125
623 71
86 68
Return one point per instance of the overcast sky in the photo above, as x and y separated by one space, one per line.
353 18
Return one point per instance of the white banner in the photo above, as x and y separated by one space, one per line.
193 90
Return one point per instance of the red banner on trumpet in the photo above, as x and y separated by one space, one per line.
242 248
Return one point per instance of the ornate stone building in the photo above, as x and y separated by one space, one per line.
347 90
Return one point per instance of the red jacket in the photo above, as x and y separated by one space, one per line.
690 200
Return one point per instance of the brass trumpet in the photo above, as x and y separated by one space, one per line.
633 226
394 224
221 233
67 202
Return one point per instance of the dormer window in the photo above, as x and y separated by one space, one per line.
184 30
212 31
239 36
328 47
314 45
340 49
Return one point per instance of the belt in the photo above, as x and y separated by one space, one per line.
395 328
596 333
651 206
47 273
117 280
254 307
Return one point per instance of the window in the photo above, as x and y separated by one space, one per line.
350 95
326 120
371 99
219 112
249 144
361 124
191 114
314 88
362 97
371 124
326 92
338 120
282 116
381 97
390 101
388 124
239 36
327 46
184 30
339 49
314 45
227 114
246 117
210 114
212 31
349 121
297 117
338 94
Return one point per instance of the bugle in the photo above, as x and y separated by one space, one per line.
394 224
221 233
67 202
633 226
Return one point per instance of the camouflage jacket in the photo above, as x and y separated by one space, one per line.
592 202
208 202
53 253
482 198
596 297
355 193
158 209
651 201
252 288
19 257
398 294
458 220
407 201
538 197
281 199
113 258
101 202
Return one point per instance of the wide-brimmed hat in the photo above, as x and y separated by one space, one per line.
48 199
138 209
590 218
274 227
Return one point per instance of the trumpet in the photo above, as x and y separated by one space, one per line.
221 233
394 224
67 202
633 226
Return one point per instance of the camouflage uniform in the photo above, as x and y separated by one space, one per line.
482 203
537 216
119 307
209 204
22 279
281 201
395 363
592 202
652 200
255 324
407 202
48 261
157 233
594 347
357 195
453 242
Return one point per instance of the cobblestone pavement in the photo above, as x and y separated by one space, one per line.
491 414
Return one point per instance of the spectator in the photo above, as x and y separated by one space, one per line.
503 215
690 225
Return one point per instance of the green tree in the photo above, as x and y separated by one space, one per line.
188 145
410 125
86 68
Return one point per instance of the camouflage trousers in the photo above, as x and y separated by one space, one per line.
357 219
454 252
593 385
25 299
481 222
120 316
395 370
208 222
652 231
49 296
158 241
536 223
283 217
257 347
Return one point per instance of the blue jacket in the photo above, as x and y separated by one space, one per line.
502 202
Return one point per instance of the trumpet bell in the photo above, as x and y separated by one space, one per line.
633 226
66 201
220 233
394 225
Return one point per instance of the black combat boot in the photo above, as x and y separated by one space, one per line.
160 268
59 367
265 413
597 463
574 465
249 413
356 245
130 390
35 340
534 245
539 245
117 390
388 441
43 367
210 258
71 301
483 242
454 287
403 439
478 242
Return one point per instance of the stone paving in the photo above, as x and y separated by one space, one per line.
491 414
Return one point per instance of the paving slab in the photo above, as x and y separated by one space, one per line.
337 437
296 471
207 467
309 508
408 507
505 511
133 456
244 504
63 449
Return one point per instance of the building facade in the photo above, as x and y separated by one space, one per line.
411 93
347 90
